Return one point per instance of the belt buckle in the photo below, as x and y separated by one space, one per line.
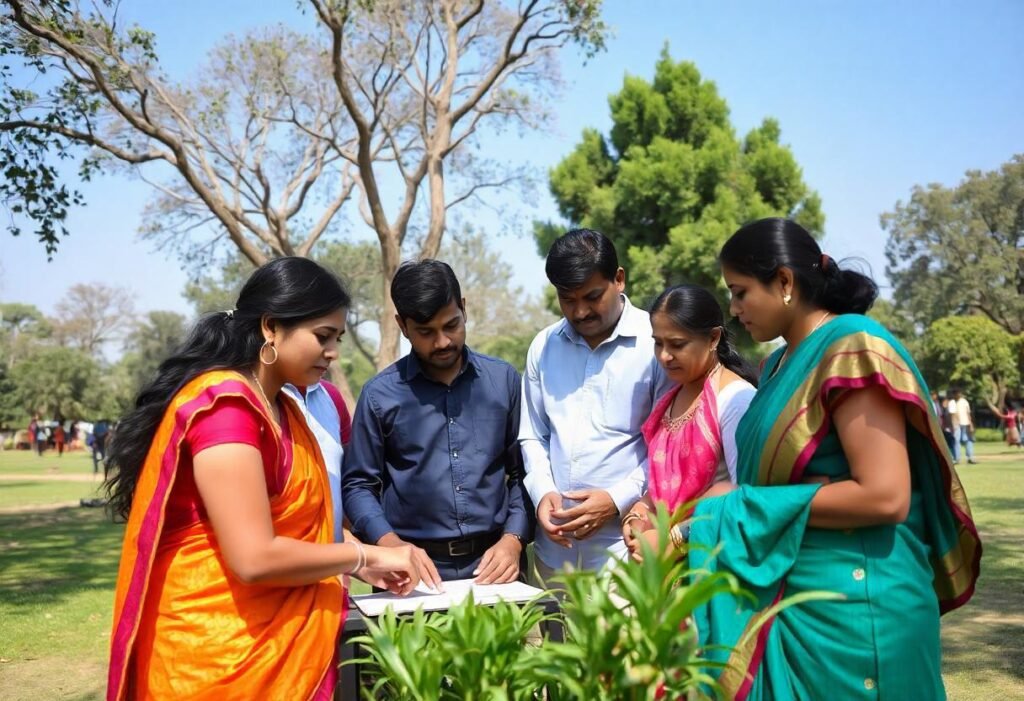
454 549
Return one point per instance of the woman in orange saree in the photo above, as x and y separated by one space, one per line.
229 580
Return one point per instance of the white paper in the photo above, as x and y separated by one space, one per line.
454 592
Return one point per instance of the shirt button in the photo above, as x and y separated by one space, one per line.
858 574
451 421
455 454
869 683
459 488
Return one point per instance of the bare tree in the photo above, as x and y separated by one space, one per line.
90 316
391 94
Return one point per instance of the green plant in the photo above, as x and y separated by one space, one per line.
627 638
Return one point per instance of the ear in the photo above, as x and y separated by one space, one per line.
465 313
401 325
786 281
716 336
268 327
620 279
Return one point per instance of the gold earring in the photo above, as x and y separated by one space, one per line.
787 299
268 344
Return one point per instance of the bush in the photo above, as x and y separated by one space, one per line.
620 646
989 435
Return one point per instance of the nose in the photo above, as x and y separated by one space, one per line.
581 313
734 309
664 357
442 342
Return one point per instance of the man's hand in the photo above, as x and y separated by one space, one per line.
549 503
500 564
585 519
427 570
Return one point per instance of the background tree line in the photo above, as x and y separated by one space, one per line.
378 115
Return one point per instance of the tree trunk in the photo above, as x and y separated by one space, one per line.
387 352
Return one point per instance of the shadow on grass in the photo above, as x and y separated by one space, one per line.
47 555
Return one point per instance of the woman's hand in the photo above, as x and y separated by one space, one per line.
394 569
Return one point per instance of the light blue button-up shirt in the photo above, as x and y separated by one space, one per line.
323 420
581 418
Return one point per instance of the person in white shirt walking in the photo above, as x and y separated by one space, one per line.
591 380
963 426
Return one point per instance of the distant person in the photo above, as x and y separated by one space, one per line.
963 426
100 432
58 439
1011 417
39 436
941 407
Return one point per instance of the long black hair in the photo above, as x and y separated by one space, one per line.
287 290
696 311
760 248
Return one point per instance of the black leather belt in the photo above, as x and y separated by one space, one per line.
474 545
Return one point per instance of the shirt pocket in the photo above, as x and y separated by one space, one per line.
489 431
626 404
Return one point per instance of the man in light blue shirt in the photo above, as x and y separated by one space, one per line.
591 381
329 421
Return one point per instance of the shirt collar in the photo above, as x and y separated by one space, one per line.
413 367
630 324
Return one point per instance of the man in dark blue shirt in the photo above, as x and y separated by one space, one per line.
434 459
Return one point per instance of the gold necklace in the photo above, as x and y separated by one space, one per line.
672 425
785 354
260 388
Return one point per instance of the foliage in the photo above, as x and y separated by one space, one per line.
974 353
56 382
671 181
624 639
960 250
280 130
898 323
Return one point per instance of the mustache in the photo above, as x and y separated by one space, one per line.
589 318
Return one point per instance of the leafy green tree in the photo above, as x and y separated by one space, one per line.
972 352
959 250
58 382
149 343
671 181
22 326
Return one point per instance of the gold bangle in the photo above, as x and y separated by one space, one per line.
631 516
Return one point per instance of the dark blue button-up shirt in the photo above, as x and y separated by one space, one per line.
431 461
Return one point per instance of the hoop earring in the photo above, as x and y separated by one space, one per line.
268 344
787 299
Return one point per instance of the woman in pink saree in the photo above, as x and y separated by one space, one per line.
690 434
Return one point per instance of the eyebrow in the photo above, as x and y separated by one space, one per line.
330 329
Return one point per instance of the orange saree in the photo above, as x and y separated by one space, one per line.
184 626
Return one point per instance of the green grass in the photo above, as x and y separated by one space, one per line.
26 493
57 571
23 462
983 642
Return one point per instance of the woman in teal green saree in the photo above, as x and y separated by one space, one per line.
845 486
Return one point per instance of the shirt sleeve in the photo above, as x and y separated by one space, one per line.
231 420
731 408
234 420
344 418
520 511
362 473
534 430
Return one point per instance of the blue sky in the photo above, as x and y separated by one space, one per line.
873 97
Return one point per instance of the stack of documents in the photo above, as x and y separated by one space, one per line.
454 592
